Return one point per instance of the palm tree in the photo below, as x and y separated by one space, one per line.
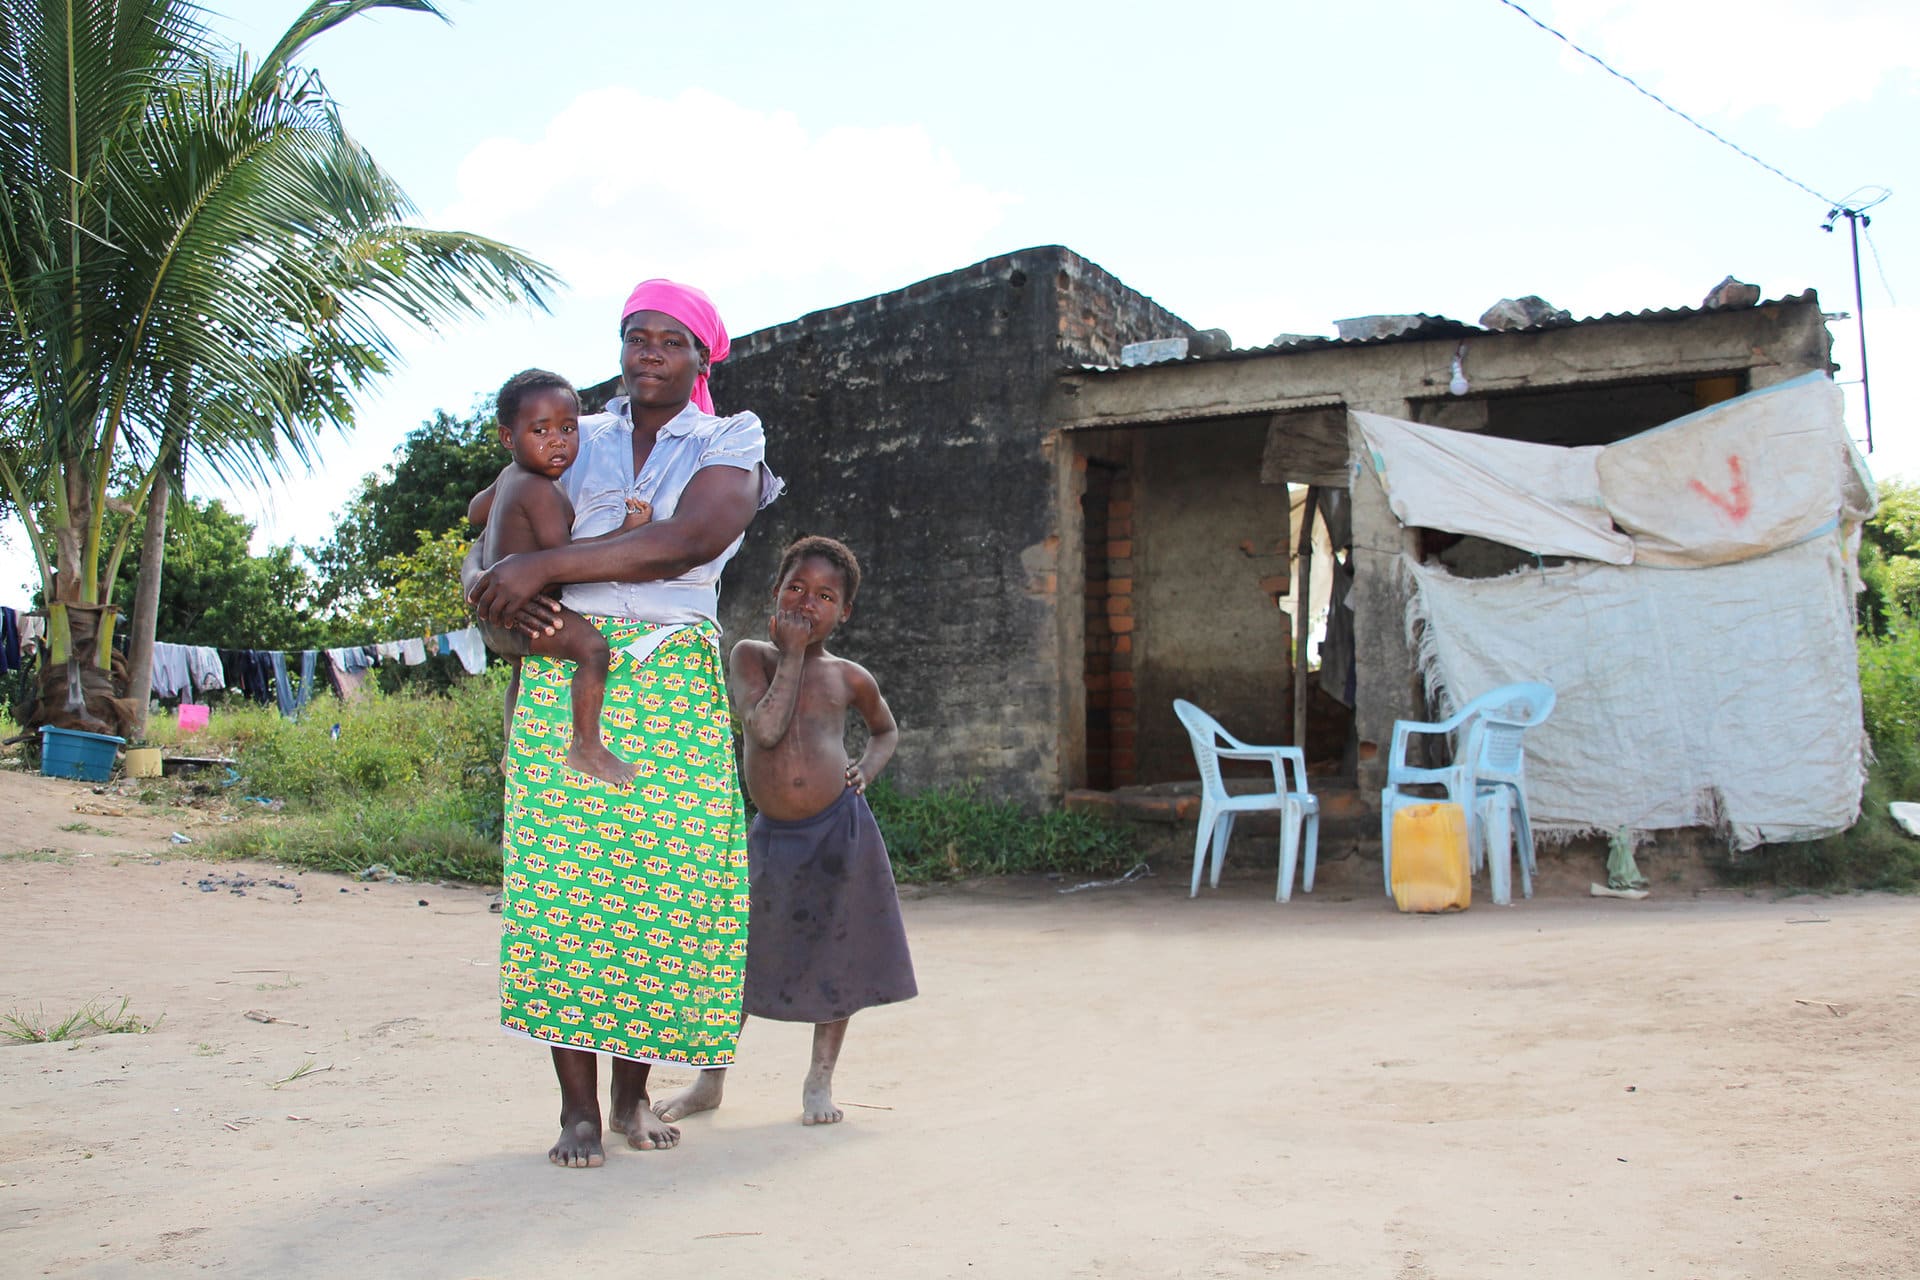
193 252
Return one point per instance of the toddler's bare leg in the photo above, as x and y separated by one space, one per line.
580 643
513 697
631 1115
816 1095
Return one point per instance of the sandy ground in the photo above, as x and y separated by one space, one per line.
1119 1082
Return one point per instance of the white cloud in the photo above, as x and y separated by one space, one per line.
621 186
1800 58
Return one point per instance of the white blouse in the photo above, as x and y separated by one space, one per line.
601 480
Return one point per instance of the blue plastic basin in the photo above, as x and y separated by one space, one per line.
71 753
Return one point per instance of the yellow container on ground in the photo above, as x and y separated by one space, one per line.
143 762
1430 858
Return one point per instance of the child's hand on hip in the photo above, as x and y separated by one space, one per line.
856 779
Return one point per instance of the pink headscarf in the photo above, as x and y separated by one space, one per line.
691 308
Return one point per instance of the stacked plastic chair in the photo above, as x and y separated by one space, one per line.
1487 779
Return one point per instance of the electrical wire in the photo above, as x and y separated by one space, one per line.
1640 88
1866 227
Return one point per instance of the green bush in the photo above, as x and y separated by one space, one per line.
415 744
410 781
436 837
1875 853
951 833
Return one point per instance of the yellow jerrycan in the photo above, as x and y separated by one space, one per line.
1430 858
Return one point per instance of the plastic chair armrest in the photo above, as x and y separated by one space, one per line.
1274 756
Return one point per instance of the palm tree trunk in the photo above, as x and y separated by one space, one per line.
146 598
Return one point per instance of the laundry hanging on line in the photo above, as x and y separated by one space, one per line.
282 678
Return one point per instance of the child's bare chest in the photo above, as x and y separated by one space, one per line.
526 504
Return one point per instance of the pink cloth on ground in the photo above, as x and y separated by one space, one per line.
692 308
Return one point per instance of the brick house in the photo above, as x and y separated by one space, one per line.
1057 545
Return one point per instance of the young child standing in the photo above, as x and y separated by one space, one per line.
525 509
825 938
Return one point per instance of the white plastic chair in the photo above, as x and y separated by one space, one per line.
1487 779
1298 808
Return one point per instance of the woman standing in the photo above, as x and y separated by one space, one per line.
625 920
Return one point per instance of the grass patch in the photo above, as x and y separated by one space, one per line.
411 782
1874 853
952 833
408 780
437 837
92 1018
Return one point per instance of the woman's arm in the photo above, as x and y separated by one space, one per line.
540 616
716 507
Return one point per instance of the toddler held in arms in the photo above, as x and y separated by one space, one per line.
526 509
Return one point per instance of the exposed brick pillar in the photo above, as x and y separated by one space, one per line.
1118 610
1095 508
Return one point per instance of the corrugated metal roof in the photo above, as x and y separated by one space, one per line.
1431 327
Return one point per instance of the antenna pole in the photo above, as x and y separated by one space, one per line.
1854 219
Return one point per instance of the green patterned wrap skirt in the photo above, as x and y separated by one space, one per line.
625 919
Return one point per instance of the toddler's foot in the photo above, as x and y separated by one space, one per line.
579 1146
590 755
816 1100
702 1095
647 1132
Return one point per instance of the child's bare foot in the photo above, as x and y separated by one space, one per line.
645 1131
590 755
579 1146
702 1095
816 1099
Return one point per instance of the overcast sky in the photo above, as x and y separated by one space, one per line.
1263 167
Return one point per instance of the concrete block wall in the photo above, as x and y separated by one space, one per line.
913 426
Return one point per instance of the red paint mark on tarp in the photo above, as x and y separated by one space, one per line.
1737 502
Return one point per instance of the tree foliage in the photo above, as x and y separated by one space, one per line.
421 496
1890 558
217 592
193 249
419 592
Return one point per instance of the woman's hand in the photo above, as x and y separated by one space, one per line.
510 595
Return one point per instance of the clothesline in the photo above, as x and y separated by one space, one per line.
281 676
181 671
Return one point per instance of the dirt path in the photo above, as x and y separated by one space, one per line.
49 817
1114 1083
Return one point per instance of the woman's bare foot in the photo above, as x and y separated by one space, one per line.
629 1114
816 1099
579 1146
590 755
647 1132
702 1095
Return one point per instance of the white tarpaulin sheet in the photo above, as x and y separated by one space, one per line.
1739 479
1742 478
1702 697
1538 497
